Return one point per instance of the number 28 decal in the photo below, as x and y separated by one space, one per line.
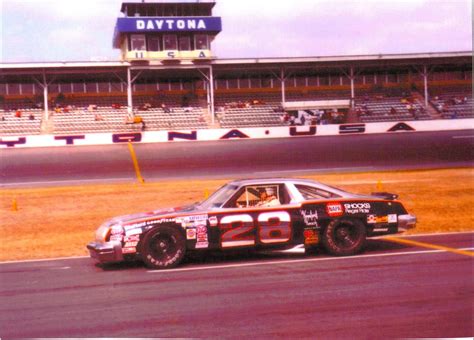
241 230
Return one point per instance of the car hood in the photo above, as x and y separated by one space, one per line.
155 214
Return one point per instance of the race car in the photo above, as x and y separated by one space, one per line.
269 213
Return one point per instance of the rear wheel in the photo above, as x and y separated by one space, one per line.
344 237
163 248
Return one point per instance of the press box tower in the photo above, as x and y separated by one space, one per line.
166 31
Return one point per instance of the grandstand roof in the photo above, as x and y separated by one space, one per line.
251 64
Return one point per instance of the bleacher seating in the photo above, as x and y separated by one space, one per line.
73 113
11 125
380 108
453 102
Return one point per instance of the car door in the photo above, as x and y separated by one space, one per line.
246 223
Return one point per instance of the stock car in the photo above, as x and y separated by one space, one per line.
270 213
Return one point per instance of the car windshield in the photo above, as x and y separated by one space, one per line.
218 198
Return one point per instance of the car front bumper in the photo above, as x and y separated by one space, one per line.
108 252
406 222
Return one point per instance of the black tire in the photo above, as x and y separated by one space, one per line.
163 247
344 237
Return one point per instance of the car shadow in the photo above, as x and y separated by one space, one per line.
373 246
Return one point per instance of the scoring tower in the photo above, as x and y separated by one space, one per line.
161 32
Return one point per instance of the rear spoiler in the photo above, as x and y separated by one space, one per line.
385 195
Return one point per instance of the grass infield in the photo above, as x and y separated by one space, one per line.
60 221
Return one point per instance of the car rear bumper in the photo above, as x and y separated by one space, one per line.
108 252
406 222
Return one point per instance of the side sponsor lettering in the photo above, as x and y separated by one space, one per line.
357 208
334 209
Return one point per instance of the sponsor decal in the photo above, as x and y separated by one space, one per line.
357 208
131 238
310 217
129 250
202 240
117 237
311 236
135 231
193 220
380 229
334 209
382 219
213 221
371 219
191 233
116 230
392 218
130 244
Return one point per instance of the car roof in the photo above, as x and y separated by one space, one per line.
296 181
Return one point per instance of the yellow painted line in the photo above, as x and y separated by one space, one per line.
135 163
429 246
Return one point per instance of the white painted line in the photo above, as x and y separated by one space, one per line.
313 170
461 137
45 260
421 235
254 264
68 182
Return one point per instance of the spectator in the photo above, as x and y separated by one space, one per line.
31 116
18 114
393 110
98 117
131 119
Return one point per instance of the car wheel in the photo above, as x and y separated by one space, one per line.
163 248
344 237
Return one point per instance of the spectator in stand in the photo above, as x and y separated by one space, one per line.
285 118
98 117
292 120
454 115
135 119
165 108
18 114
2 118
31 116
393 111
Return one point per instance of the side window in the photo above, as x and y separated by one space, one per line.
259 196
201 42
170 42
184 43
154 43
312 193
137 42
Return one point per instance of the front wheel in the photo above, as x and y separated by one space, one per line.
163 248
344 237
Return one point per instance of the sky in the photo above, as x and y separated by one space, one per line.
82 30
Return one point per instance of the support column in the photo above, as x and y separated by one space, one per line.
211 94
425 84
45 97
351 77
282 80
129 92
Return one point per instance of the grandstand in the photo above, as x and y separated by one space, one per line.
169 77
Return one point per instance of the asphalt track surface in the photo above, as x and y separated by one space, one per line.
390 291
237 158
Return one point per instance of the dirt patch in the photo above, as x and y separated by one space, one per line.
55 222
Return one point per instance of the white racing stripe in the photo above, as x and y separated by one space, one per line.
268 263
